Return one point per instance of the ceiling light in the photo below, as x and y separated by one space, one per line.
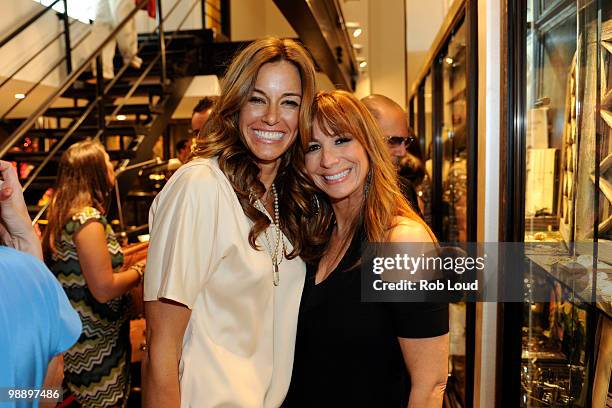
357 32
19 96
449 60
121 117
363 64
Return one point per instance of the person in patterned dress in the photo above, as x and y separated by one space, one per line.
83 253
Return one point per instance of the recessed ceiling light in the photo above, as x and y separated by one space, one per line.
121 117
357 32
20 96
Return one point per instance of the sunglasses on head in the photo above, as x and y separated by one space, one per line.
398 140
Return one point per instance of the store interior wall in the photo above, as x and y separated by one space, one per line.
252 19
387 45
423 20
381 46
356 12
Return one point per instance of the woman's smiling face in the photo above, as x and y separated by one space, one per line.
337 164
269 119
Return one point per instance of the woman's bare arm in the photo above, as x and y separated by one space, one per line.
96 265
427 363
425 358
166 324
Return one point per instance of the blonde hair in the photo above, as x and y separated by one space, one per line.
221 137
339 112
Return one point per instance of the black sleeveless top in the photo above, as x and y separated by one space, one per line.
347 351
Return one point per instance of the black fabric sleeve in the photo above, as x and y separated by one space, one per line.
419 320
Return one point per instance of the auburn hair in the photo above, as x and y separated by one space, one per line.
221 137
83 180
338 112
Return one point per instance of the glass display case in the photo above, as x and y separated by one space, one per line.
559 139
427 136
443 115
454 140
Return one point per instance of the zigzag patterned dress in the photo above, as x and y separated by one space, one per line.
96 368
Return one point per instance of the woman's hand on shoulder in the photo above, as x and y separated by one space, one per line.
408 230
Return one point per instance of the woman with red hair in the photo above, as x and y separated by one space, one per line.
349 352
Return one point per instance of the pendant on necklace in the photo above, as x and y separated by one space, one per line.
275 277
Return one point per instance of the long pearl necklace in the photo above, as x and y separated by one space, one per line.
278 241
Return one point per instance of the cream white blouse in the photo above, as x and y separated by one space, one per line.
239 343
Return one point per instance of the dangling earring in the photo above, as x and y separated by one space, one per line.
314 201
366 188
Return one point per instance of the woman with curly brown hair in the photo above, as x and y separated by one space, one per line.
223 281
349 352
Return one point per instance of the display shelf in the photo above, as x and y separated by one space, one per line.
570 272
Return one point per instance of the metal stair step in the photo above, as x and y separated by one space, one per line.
36 157
73 112
119 90
83 132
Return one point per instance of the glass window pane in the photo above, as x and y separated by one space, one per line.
605 156
568 105
425 129
454 140
550 54
428 153
454 186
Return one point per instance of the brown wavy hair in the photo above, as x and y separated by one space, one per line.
221 137
339 112
82 181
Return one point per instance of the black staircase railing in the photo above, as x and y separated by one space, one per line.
67 46
102 90
45 75
33 57
100 101
72 77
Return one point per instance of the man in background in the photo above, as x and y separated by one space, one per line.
392 120
200 114
183 150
